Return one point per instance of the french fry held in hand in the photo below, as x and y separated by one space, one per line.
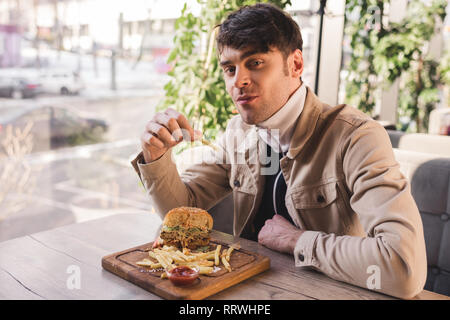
209 144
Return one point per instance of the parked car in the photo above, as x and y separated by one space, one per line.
51 127
18 87
61 82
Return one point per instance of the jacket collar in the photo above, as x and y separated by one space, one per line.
305 124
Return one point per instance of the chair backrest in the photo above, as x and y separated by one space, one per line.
429 175
420 142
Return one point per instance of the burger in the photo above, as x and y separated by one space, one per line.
187 227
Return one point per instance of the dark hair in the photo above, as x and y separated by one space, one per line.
260 27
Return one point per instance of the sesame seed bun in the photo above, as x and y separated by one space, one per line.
188 217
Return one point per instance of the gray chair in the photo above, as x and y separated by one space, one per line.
429 175
425 160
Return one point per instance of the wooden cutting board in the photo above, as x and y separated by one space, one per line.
244 264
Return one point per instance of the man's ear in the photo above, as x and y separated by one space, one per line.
297 65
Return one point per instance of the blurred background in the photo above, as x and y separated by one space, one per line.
79 79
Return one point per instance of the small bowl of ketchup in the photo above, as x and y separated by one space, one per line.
182 276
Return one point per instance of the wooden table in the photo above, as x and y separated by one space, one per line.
38 266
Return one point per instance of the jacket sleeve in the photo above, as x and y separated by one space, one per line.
202 184
391 258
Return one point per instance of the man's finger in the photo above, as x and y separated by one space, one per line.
152 140
162 133
170 123
189 133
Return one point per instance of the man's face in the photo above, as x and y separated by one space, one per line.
260 83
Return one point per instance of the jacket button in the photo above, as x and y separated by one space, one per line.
320 198
237 183
301 257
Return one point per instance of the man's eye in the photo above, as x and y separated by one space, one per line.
230 69
257 63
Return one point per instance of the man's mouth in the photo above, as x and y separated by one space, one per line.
246 99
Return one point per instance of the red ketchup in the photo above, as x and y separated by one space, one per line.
182 276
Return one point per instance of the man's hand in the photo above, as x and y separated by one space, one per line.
158 243
164 131
279 234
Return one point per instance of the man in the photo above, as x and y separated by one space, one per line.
335 199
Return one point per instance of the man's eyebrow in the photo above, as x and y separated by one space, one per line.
224 63
249 53
242 57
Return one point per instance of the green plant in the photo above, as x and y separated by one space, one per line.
418 94
384 52
444 68
196 88
365 28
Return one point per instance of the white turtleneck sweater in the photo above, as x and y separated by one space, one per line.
277 131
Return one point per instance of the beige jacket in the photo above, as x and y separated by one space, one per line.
343 186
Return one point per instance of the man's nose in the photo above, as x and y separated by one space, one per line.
242 78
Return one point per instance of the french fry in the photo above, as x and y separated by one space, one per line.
148 263
145 263
168 257
156 265
226 263
161 260
191 257
164 275
151 254
201 263
178 260
210 257
206 255
228 254
216 257
205 270
180 255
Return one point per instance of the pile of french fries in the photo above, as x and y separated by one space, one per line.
169 257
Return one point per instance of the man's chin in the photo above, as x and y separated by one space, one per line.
248 116
248 119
